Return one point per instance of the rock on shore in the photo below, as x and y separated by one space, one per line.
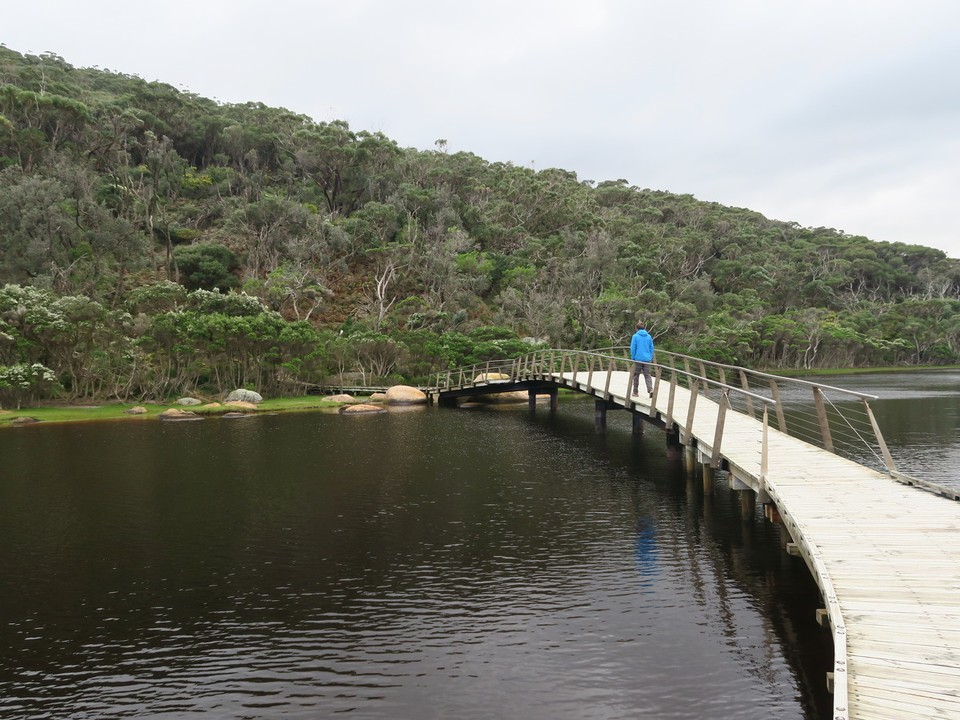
242 395
405 395
361 409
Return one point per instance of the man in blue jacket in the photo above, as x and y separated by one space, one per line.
641 352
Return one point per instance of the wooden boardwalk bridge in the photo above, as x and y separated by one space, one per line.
881 546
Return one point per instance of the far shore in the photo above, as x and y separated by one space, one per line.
85 410
863 370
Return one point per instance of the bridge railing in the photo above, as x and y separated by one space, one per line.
836 419
478 374
581 368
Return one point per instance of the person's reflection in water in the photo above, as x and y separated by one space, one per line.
646 551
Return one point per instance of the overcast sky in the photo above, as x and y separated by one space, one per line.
828 113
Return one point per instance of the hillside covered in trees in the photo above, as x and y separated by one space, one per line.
153 242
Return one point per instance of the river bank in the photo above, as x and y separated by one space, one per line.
60 413
54 412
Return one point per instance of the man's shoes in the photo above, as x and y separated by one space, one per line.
651 393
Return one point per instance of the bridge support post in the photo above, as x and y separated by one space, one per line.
600 415
707 478
689 458
554 401
637 425
785 537
748 504
693 491
532 401
674 448
673 437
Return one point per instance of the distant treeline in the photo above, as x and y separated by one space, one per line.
154 242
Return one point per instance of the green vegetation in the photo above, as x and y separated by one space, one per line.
118 411
154 243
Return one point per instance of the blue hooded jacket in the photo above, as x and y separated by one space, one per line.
641 346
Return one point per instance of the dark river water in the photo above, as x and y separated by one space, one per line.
919 414
427 563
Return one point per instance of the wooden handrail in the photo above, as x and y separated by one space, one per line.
718 432
707 376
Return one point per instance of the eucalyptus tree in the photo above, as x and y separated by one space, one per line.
295 290
433 266
54 232
589 259
929 327
343 165
533 302
373 225
26 315
86 346
157 297
33 224
264 228
77 338
41 123
22 383
207 266
160 186
940 280
376 355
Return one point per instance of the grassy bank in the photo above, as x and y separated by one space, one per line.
52 413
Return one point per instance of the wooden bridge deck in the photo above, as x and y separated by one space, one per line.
883 554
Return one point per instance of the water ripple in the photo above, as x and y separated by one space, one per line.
534 572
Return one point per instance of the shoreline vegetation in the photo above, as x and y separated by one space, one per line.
53 412
154 241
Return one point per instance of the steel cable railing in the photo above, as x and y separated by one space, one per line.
838 420
832 418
